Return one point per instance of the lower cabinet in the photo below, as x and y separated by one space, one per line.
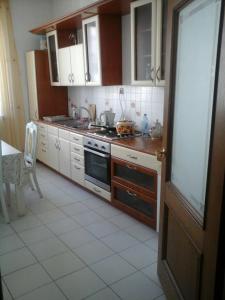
64 154
53 152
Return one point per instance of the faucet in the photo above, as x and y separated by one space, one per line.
77 112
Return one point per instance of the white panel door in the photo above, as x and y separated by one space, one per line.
77 64
65 66
64 157
53 152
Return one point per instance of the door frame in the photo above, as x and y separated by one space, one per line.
213 210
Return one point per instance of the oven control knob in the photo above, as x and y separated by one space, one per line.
89 143
103 147
96 145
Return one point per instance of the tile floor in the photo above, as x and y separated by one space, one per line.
72 245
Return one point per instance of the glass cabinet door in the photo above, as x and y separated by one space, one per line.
53 57
92 51
161 41
143 26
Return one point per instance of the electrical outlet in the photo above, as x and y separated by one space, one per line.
121 91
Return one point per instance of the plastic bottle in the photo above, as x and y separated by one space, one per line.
145 125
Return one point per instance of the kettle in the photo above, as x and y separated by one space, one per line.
107 118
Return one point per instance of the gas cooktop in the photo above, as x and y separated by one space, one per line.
111 134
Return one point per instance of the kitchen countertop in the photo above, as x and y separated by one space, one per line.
141 144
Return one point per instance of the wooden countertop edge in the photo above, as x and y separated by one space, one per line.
140 144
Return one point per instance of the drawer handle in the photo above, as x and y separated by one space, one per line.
43 144
77 159
131 156
130 167
43 150
43 135
76 149
131 194
96 190
77 168
76 139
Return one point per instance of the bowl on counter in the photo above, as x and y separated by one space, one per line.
125 127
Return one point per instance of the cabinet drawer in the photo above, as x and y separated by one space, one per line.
139 158
77 173
97 190
139 178
76 138
42 128
53 130
42 136
64 134
42 154
77 159
134 203
78 149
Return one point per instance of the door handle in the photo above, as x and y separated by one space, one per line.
131 194
161 155
151 74
158 73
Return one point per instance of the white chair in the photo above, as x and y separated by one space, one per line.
3 202
29 168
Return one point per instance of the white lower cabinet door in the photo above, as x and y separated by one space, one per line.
77 64
64 157
53 152
65 66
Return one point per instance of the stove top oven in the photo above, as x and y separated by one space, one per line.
97 156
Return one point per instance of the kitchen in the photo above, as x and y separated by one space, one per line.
96 86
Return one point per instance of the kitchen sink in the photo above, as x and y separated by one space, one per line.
73 124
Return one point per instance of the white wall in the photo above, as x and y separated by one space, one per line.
61 8
28 14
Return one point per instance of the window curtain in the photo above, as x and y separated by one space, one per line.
12 120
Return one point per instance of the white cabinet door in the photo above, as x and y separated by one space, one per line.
77 64
93 74
64 157
53 152
32 85
65 66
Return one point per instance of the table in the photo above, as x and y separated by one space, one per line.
11 171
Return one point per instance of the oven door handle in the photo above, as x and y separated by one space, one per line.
97 153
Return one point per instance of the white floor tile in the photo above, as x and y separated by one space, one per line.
107 211
62 264
123 221
106 294
139 256
5 230
26 222
62 226
47 248
141 232
77 238
6 294
47 292
41 206
74 209
163 297
16 260
26 280
119 241
136 287
112 269
94 202
93 252
82 284
51 216
10 243
153 243
87 218
151 272
102 229
36 235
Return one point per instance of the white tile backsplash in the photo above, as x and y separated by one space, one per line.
136 101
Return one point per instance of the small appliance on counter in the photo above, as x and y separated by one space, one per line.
125 127
107 118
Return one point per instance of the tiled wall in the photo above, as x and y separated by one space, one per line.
136 101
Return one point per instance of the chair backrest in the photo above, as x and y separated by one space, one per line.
30 145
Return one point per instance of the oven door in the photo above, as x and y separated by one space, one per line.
97 168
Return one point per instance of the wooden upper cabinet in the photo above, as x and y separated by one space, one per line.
52 42
147 42
102 50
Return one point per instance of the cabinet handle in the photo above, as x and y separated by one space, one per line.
130 167
76 167
151 74
43 144
96 190
43 135
36 114
77 159
76 149
87 76
43 150
157 74
131 194
131 156
72 77
69 78
75 139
